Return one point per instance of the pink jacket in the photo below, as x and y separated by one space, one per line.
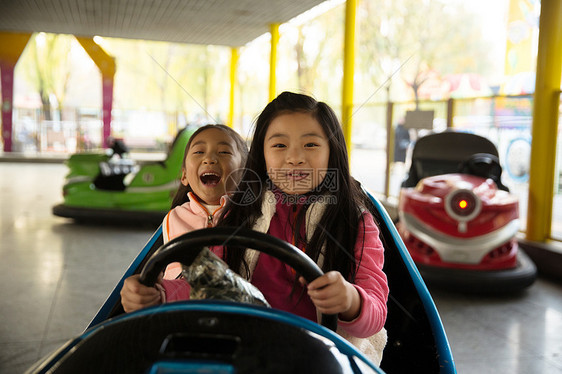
187 217
276 280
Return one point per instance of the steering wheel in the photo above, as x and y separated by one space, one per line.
186 248
483 165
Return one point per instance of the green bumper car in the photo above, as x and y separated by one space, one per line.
108 187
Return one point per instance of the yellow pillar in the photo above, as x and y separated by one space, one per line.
103 61
274 29
11 47
348 70
106 64
545 122
234 55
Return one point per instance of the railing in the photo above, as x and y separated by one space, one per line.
505 120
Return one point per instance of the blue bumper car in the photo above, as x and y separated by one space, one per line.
218 336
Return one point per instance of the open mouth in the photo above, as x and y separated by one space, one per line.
210 179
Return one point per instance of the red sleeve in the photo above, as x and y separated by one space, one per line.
176 289
370 282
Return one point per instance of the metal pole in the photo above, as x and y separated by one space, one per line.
450 112
390 139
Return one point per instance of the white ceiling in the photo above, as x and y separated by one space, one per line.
219 22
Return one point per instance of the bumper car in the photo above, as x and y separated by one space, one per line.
457 219
101 187
223 335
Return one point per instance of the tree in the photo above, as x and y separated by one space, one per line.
170 77
46 65
381 41
307 62
410 38
318 47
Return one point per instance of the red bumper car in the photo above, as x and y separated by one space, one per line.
457 219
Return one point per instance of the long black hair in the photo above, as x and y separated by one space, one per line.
338 226
242 148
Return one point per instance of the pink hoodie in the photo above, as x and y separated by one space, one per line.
187 217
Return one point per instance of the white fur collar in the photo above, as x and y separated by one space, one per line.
313 215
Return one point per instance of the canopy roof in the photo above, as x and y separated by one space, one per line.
216 22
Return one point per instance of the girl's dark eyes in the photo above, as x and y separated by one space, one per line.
307 145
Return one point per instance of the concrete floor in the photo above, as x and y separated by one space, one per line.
55 274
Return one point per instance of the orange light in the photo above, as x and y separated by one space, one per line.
463 204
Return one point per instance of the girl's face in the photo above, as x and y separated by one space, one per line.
296 152
208 167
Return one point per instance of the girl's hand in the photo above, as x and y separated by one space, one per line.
135 296
332 294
